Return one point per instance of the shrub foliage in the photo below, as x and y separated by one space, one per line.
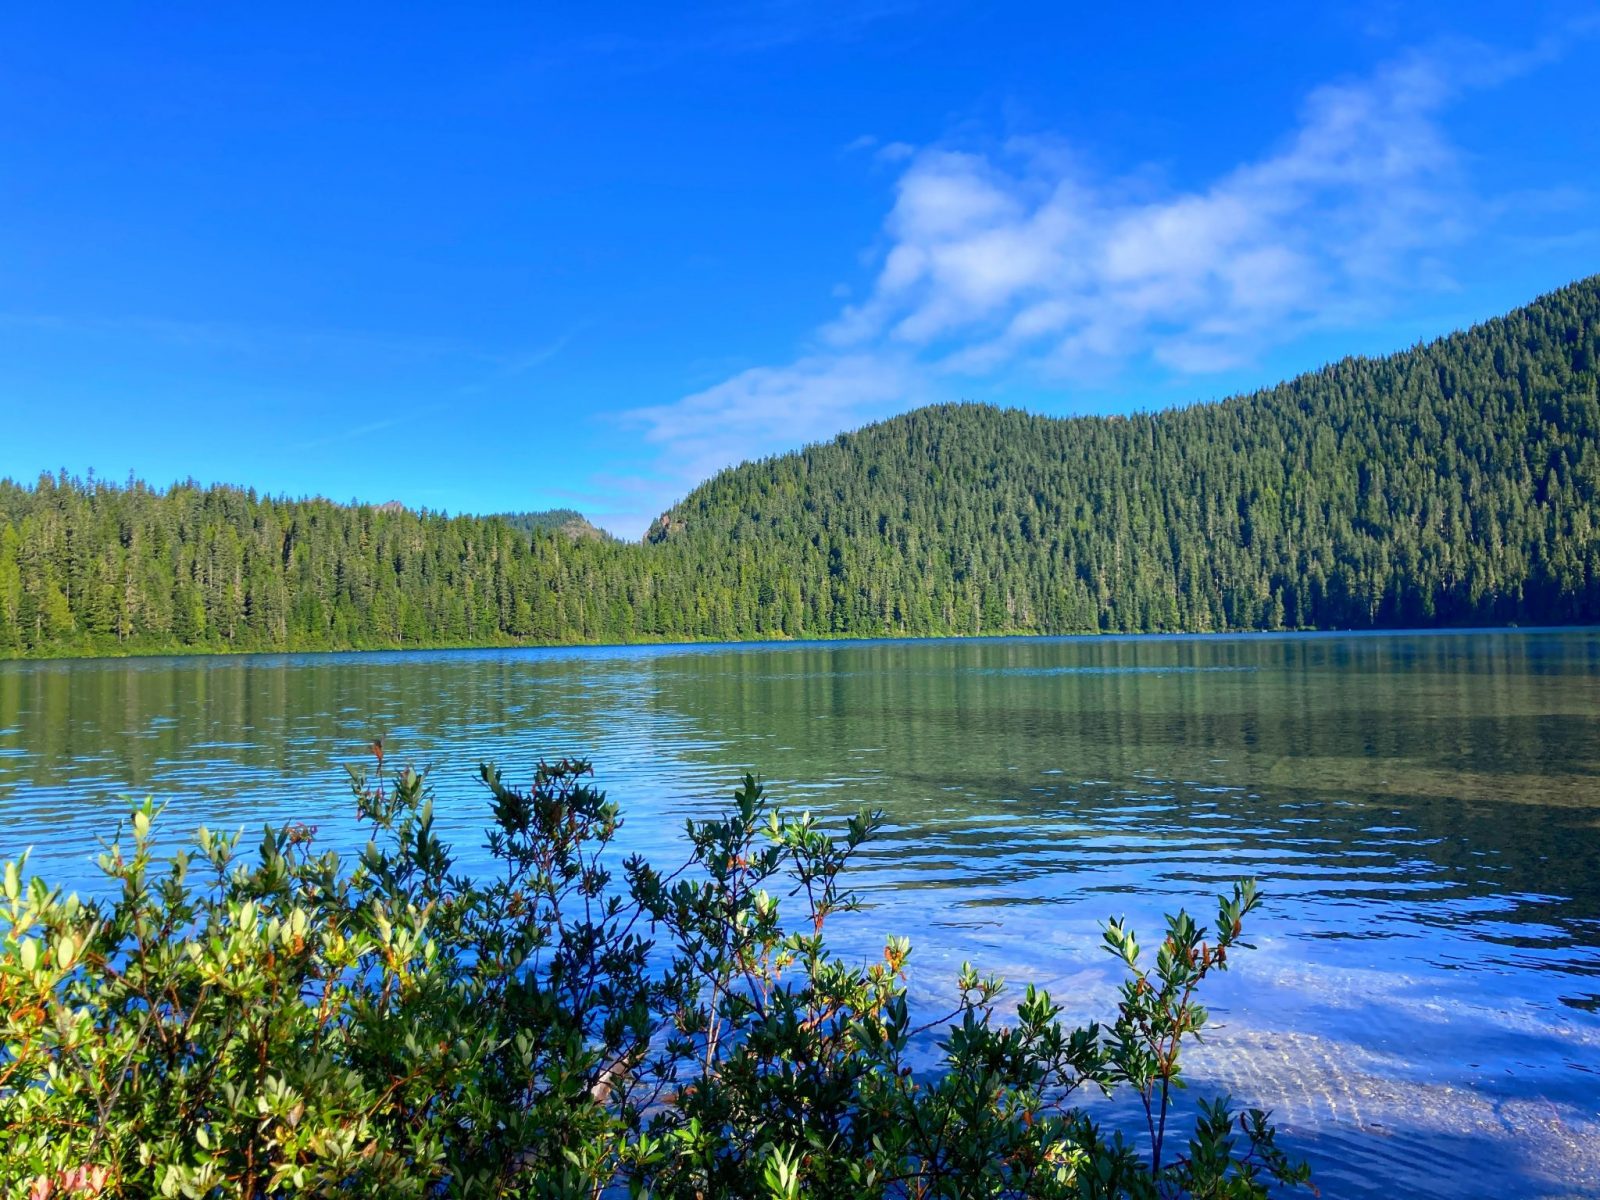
287 1023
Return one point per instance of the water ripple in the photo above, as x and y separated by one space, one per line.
1421 1010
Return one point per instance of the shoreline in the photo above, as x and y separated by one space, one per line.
218 652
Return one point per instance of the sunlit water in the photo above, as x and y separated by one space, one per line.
1422 1010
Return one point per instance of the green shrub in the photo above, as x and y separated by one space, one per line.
291 1024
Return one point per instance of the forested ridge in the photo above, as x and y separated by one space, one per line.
563 520
1454 483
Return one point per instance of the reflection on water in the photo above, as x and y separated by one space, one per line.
1423 1008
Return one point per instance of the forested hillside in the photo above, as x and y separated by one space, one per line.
1456 483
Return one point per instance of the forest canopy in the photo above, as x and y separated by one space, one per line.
1455 483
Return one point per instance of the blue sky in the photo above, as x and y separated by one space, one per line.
483 258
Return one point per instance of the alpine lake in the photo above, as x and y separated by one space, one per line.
1422 811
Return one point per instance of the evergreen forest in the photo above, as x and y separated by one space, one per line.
565 520
1455 483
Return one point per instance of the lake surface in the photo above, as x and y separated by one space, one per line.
1422 1010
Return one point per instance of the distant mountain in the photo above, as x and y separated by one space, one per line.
556 520
1454 483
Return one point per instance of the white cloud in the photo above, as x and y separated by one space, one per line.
1018 258
1017 262
767 409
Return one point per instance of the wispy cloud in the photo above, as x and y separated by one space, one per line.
1015 255
509 366
1012 262
506 367
369 430
758 411
768 408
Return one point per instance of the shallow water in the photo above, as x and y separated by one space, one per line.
1422 1010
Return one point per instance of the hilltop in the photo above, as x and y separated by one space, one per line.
567 521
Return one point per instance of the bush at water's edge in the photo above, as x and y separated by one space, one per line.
292 1024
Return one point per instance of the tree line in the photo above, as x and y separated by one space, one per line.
1455 483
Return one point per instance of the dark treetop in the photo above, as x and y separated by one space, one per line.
564 520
